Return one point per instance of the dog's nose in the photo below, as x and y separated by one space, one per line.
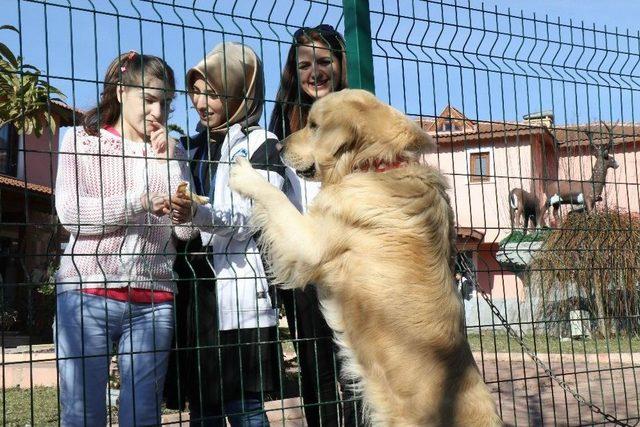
308 173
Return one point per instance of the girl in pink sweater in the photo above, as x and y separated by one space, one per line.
115 287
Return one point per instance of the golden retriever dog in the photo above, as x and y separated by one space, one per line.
379 243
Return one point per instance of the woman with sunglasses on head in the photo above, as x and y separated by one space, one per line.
315 66
234 318
115 282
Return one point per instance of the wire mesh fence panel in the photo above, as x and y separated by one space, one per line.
119 125
534 123
231 350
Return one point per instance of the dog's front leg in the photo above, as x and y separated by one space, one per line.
294 244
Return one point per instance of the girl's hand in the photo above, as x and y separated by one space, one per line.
163 145
155 203
182 208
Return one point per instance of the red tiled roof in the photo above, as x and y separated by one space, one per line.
454 117
578 135
568 135
8 181
486 131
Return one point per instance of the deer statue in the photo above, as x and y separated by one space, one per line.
523 207
585 193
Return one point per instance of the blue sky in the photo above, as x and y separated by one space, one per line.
613 13
75 47
498 66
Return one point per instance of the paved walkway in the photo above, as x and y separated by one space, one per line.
285 412
527 397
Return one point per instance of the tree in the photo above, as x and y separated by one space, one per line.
24 95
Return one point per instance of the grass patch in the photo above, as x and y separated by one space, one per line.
500 342
16 405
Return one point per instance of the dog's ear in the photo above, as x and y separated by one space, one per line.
414 137
369 124
398 133
350 113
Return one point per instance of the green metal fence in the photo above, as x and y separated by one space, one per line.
514 102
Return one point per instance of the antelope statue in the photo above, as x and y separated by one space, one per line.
585 193
523 207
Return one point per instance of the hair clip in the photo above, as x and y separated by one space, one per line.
129 57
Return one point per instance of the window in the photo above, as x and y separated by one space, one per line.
480 168
446 126
8 150
449 126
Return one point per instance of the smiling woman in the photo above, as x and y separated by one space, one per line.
318 69
207 103
231 359
316 65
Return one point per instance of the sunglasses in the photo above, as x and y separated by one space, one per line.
323 29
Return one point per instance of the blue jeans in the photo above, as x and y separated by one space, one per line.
241 413
85 329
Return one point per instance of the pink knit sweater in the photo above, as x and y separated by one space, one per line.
114 242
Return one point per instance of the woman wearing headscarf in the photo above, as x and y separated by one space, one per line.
231 358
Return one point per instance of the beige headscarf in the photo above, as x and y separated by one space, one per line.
235 71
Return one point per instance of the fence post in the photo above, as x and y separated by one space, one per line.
357 32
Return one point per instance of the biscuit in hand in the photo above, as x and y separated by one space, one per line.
183 191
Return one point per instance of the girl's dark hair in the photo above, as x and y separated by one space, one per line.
293 104
128 70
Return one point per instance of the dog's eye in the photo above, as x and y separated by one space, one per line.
313 125
341 150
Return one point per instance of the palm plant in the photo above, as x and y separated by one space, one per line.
24 95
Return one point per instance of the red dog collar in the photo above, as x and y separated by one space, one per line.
380 166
